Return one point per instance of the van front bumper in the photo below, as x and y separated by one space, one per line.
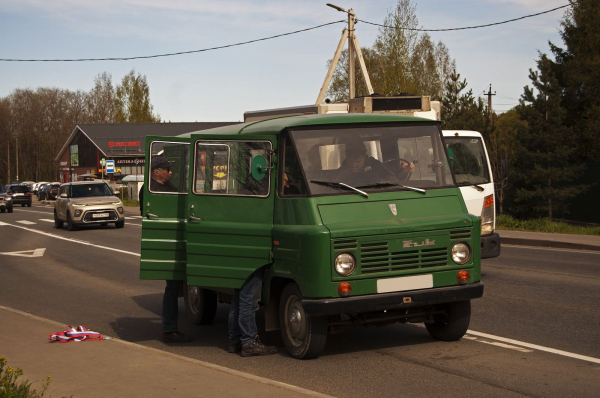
389 301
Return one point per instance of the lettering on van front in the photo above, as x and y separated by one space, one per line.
410 243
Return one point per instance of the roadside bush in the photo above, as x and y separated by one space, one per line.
543 225
10 387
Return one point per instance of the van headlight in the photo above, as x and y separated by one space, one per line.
461 253
345 264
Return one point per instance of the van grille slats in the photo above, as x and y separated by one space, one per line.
460 234
345 244
375 258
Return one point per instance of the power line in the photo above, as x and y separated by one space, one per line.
467 27
268 38
171 54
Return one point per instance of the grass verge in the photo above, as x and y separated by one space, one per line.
543 225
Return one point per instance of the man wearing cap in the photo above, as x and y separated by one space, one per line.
161 175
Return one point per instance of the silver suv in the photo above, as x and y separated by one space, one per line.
87 202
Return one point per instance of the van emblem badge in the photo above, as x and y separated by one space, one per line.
393 209
410 243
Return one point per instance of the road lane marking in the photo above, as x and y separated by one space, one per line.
26 222
497 344
46 219
82 242
534 346
27 253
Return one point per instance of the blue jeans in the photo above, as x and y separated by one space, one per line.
170 308
242 321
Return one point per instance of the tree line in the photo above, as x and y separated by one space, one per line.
546 140
35 124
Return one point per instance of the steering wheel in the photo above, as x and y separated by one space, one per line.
401 168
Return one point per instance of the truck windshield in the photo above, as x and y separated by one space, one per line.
371 158
468 160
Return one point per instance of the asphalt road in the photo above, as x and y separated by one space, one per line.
532 296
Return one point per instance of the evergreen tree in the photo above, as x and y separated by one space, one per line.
545 175
462 111
577 70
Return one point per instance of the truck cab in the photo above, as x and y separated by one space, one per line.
356 219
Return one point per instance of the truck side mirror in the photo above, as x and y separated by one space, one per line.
259 167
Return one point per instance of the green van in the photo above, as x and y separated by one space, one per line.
355 218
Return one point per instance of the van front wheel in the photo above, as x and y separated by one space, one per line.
304 335
200 304
453 323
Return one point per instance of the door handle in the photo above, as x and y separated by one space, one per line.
193 218
151 216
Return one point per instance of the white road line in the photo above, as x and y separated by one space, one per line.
46 219
497 344
41 212
72 240
534 346
26 222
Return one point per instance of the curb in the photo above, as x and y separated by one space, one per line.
549 244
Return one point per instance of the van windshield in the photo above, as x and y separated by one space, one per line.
467 159
372 158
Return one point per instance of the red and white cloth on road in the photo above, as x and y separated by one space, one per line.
80 333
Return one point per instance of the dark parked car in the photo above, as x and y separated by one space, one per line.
21 194
6 203
48 191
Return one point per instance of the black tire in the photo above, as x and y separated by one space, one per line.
28 204
304 335
120 224
57 223
22 204
200 304
2 210
453 324
9 209
70 225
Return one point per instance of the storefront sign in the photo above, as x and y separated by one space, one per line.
123 144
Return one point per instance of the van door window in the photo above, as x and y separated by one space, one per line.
172 175
467 159
240 168
292 180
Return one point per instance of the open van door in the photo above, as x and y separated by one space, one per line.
230 209
164 211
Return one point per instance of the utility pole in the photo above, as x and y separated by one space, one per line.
489 95
353 48
17 155
8 162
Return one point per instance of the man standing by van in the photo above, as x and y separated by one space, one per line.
160 173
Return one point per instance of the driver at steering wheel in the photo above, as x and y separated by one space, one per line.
361 169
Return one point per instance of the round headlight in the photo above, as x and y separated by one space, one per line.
345 264
461 253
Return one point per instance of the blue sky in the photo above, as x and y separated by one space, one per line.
220 85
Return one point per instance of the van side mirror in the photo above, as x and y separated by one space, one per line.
64 195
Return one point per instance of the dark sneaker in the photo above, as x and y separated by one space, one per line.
235 348
176 337
257 348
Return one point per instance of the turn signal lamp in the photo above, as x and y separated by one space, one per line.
463 277
487 215
344 289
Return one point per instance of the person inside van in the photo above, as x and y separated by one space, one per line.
161 175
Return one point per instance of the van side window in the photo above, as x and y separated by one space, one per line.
174 160
291 181
239 168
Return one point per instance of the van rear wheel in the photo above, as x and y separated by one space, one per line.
304 335
200 304
453 323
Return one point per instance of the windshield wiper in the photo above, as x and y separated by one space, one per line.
340 185
414 189
477 187
380 185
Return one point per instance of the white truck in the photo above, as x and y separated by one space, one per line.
466 150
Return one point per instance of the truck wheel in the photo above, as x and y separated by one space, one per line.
304 335
57 223
453 324
200 304
9 209
70 225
